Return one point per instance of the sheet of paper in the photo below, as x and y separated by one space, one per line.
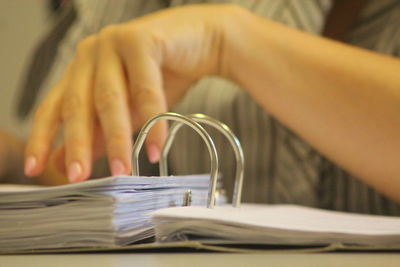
18 187
279 224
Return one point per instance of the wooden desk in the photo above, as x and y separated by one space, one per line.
203 259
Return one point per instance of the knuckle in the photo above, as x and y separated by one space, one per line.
108 31
71 106
103 84
105 97
128 30
146 94
86 45
130 39
130 33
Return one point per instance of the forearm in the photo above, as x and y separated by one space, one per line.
343 100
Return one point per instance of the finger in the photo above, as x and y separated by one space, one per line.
147 95
78 112
46 121
98 150
111 101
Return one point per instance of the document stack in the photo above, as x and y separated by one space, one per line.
283 225
106 212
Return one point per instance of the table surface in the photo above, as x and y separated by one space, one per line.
203 259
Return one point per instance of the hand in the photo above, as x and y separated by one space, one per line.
120 78
11 163
11 154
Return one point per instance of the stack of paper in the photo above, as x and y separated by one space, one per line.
99 213
275 225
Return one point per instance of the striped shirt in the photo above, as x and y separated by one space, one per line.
280 167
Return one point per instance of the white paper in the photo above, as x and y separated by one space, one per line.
275 224
97 213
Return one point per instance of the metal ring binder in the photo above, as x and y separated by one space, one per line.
198 128
226 131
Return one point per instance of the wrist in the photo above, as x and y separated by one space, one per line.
257 56
248 49
232 30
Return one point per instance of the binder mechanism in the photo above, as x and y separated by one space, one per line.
193 121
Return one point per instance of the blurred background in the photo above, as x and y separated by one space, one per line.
22 23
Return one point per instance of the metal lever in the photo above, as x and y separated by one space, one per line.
226 131
198 128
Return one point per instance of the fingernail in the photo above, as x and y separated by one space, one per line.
153 153
74 172
117 167
30 165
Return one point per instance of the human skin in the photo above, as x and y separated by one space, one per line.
343 100
11 154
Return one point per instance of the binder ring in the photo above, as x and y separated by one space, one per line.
194 125
226 131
